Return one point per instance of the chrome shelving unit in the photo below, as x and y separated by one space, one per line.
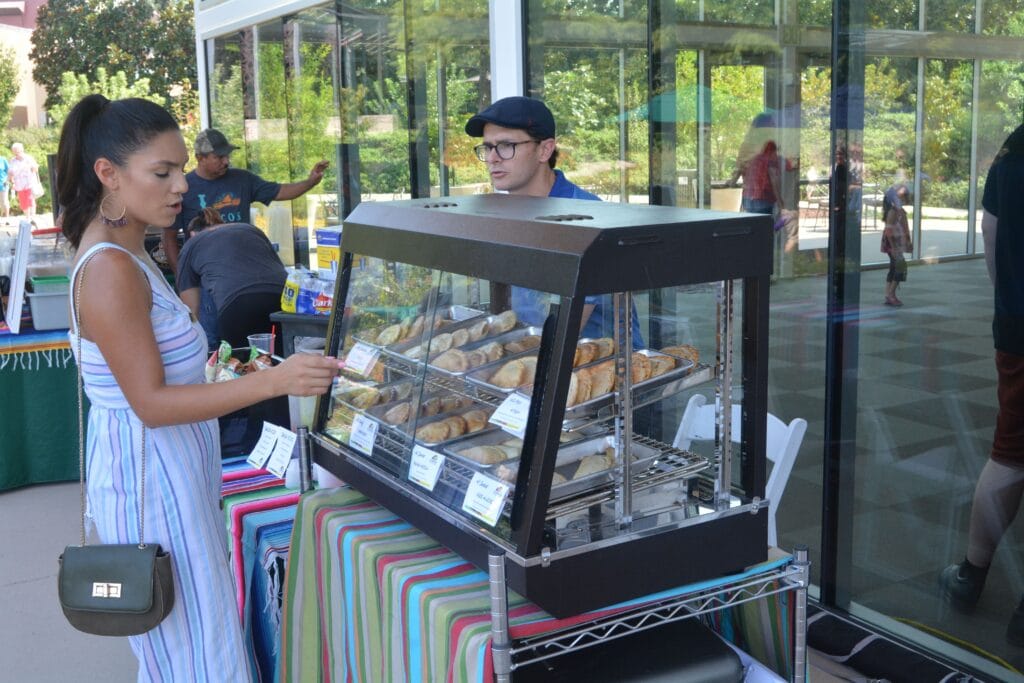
510 655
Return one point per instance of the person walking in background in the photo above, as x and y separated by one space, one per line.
24 176
237 266
142 358
896 240
5 196
1000 486
760 166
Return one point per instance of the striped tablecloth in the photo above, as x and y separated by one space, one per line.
371 598
259 513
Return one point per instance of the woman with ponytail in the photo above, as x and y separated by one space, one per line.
142 355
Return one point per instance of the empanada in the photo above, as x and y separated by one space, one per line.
456 426
683 351
478 330
452 360
503 322
367 398
475 420
574 389
510 375
430 407
602 378
605 347
485 455
641 367
441 342
529 369
416 328
452 402
492 350
585 353
435 432
530 341
389 335
585 385
661 364
592 464
475 358
460 337
398 414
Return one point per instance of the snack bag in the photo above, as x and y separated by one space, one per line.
308 290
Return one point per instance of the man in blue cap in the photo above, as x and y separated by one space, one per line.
520 152
519 149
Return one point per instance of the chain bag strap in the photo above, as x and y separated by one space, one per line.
111 589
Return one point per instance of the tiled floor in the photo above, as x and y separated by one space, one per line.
924 390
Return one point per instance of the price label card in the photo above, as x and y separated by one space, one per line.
264 448
282 453
485 498
364 433
361 358
425 467
512 413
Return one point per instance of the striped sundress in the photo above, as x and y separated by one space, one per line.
201 639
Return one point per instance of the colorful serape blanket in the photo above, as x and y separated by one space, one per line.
259 513
30 340
371 598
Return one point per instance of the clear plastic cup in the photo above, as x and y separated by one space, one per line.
263 342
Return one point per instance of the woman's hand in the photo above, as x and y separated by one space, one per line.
305 374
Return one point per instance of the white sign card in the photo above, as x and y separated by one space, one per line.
425 467
485 498
361 358
364 433
284 448
17 292
512 414
264 448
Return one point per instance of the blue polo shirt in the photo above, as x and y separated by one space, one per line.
532 307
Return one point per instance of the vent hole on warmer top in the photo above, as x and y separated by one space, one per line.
566 217
440 205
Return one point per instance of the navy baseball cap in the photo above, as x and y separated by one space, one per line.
523 113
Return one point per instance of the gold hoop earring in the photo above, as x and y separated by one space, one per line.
118 222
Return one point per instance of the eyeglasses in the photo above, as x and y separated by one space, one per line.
506 150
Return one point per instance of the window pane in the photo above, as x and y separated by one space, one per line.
946 157
950 15
897 14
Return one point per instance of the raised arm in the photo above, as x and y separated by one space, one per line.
297 189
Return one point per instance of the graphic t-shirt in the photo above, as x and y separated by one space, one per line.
232 195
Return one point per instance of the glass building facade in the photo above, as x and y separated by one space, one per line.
662 101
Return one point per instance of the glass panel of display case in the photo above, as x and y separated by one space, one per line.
438 380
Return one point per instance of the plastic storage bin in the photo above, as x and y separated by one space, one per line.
50 310
50 284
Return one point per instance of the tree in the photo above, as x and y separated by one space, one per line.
151 39
74 87
10 83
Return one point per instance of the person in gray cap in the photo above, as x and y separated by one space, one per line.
214 184
519 149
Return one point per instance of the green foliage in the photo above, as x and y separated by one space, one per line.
10 83
152 39
74 87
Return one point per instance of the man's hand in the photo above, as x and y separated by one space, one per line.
317 173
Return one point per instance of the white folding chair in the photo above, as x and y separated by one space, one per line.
783 443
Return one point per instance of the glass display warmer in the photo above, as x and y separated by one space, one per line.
516 374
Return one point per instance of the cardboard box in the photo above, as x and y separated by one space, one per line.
328 248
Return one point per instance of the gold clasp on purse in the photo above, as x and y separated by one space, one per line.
101 589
